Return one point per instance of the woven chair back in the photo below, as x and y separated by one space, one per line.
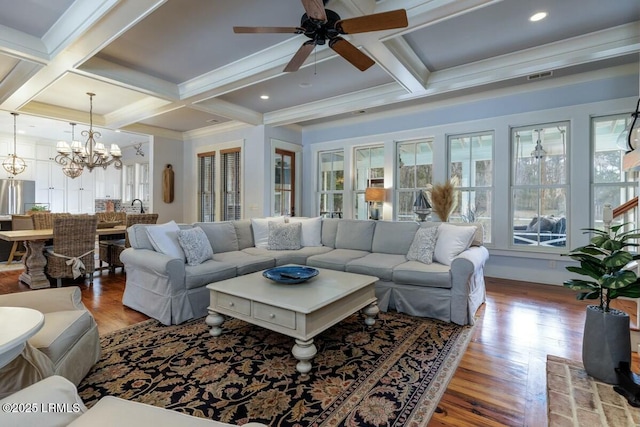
44 220
21 222
73 235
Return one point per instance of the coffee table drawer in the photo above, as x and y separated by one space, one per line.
275 315
233 303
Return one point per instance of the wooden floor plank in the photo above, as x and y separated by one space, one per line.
501 379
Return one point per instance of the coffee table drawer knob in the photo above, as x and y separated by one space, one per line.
231 304
272 316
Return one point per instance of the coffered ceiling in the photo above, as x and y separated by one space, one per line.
175 67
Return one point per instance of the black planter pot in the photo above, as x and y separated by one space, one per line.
606 343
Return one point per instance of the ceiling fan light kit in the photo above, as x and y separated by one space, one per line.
321 25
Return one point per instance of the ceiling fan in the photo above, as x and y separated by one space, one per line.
322 25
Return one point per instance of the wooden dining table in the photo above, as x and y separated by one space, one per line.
34 259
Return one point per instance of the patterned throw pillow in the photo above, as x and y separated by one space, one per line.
284 236
423 245
195 245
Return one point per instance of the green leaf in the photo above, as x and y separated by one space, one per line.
617 259
577 285
588 295
619 279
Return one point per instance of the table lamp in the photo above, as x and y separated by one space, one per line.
374 195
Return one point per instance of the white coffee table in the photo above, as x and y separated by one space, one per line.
18 325
299 311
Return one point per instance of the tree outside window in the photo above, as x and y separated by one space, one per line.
540 185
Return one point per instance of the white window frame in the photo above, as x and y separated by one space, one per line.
414 190
328 192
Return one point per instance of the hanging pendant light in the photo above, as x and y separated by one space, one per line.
538 152
93 154
14 164
72 169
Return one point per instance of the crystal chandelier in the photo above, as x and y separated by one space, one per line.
14 164
93 154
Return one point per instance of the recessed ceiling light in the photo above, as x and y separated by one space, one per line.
117 131
538 16
264 96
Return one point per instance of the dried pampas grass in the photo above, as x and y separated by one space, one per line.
444 198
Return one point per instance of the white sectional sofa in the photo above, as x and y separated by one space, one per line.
162 284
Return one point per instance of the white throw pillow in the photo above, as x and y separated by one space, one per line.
195 244
311 230
452 240
164 239
260 227
423 245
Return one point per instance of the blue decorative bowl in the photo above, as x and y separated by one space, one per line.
290 275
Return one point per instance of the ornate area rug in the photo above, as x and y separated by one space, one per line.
391 374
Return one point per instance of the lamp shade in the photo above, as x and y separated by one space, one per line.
374 194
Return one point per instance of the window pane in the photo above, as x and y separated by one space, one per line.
206 174
231 174
331 183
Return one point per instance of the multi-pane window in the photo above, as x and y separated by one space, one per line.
331 183
206 187
231 174
129 182
611 184
369 172
540 185
471 162
284 185
143 186
414 169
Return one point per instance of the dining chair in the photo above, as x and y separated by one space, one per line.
44 220
19 222
110 250
74 242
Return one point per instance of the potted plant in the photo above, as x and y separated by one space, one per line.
37 208
610 273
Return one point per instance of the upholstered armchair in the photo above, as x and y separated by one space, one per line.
67 344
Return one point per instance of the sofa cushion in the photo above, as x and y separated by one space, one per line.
337 259
393 237
61 330
244 262
164 238
209 271
478 237
451 241
329 231
260 228
355 234
284 236
423 245
298 256
311 230
222 235
138 237
244 233
376 264
195 244
420 274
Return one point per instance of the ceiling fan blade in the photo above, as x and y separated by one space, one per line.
375 22
252 30
301 55
315 9
351 53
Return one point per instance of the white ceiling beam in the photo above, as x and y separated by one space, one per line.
17 77
22 46
61 113
138 111
76 20
229 110
120 18
154 130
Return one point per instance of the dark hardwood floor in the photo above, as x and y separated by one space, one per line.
501 378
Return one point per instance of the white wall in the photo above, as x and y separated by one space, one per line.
165 151
595 94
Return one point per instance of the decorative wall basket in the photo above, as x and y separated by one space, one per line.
167 184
